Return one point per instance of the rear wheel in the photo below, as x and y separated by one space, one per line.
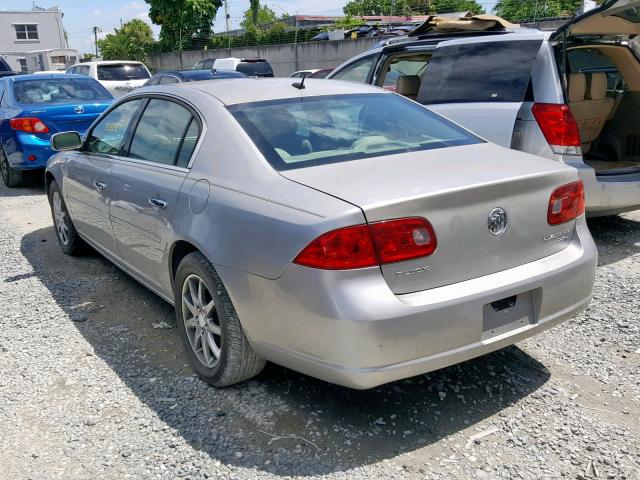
10 176
68 238
211 331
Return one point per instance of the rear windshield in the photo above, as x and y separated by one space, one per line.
255 69
303 132
479 72
59 90
122 71
4 66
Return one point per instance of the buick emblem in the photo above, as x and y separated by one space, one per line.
79 109
497 221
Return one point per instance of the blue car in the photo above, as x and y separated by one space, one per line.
33 107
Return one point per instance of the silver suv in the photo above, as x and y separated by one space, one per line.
571 95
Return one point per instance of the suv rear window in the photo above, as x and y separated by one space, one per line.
4 66
122 71
479 72
255 69
308 131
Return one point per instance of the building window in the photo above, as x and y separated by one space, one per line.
27 32
59 59
23 65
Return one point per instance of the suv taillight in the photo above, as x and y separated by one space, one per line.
369 245
28 124
566 203
559 127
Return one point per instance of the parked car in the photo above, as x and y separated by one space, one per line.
180 76
5 69
322 73
119 77
252 67
33 107
338 230
304 73
507 84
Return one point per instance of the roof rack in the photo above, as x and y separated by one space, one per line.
467 23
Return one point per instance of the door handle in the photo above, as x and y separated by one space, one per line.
100 185
158 202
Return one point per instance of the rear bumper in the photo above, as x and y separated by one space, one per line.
348 328
609 194
25 145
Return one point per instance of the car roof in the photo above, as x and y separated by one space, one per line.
44 76
246 90
106 62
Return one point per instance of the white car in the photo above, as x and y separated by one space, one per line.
306 73
119 77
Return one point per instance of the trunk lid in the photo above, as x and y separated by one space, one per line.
455 189
612 18
65 117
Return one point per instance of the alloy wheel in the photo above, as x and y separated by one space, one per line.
60 218
201 322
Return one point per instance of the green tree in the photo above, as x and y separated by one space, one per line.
517 10
254 9
183 22
130 42
264 16
377 7
348 22
448 6
409 7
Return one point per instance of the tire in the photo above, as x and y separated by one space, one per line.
66 233
11 177
208 316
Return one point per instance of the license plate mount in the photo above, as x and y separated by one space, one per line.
508 313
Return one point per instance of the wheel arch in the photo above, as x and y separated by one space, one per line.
180 249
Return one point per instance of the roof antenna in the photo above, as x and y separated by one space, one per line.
300 85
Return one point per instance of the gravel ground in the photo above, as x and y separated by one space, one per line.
90 387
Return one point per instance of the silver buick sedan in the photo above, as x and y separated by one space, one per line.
334 228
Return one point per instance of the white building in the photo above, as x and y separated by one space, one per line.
35 30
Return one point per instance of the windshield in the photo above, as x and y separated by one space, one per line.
255 69
122 71
302 132
59 90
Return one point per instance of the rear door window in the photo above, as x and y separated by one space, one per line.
160 133
358 71
404 65
588 60
497 71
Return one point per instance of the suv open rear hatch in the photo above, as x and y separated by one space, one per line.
619 18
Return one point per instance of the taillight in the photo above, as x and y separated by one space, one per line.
559 127
403 239
566 203
369 245
28 124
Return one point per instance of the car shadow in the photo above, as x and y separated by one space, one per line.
280 422
32 184
617 237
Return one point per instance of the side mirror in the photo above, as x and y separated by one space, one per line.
63 141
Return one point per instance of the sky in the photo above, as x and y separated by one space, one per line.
81 15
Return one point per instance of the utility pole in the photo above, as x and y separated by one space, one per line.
95 38
226 14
